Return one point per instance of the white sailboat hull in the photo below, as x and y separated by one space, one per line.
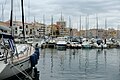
19 64
61 44
10 70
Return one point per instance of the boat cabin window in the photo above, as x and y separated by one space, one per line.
20 27
30 39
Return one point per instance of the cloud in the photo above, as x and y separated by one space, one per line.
109 9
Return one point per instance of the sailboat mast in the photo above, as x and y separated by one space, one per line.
43 19
44 24
52 24
61 17
86 26
28 10
106 27
11 18
23 19
96 26
105 23
69 26
80 25
34 27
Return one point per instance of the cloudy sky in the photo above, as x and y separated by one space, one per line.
104 9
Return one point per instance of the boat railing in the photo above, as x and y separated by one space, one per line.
8 46
5 53
22 52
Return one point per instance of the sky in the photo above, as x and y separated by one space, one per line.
103 9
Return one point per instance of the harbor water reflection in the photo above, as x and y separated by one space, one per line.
79 64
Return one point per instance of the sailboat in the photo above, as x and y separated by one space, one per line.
15 58
99 43
51 41
85 41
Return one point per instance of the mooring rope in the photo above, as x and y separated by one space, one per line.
16 75
22 72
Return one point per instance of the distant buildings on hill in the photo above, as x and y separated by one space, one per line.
37 29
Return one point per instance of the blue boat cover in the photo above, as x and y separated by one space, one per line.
6 36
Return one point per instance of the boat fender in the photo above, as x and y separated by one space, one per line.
38 54
36 60
32 60
35 72
36 49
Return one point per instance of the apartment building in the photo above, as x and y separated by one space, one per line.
62 26
6 26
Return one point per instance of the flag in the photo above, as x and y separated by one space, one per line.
11 44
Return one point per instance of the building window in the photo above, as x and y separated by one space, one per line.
13 24
20 27
15 32
27 32
5 31
15 28
30 31
26 26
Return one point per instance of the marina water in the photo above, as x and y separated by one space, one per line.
79 64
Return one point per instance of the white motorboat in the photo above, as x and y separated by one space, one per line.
51 43
112 43
86 44
30 40
40 42
75 43
61 43
98 43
